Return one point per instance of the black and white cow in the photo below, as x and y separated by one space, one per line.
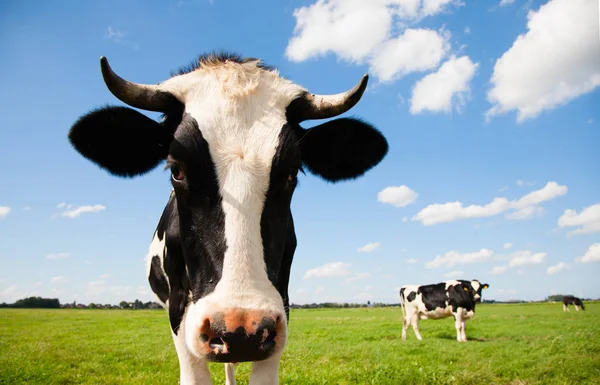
221 255
450 298
570 300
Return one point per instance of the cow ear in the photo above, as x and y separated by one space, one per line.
341 149
485 285
121 140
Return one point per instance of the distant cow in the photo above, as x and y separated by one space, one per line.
450 298
221 255
570 300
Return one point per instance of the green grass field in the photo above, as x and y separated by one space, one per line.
509 344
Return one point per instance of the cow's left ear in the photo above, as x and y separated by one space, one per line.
341 149
485 285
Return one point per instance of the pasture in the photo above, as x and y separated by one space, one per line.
508 344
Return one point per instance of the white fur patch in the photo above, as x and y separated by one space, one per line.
157 248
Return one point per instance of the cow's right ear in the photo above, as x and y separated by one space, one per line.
121 140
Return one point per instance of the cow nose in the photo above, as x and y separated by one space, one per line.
240 335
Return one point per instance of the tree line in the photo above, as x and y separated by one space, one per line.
54 303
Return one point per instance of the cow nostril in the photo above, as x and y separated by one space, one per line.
269 342
217 343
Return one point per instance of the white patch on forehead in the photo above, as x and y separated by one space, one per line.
475 285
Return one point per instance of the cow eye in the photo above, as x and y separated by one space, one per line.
293 175
176 172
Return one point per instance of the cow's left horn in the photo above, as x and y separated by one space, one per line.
145 96
327 106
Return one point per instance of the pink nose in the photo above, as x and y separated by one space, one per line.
239 335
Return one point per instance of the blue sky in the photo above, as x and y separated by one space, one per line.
487 105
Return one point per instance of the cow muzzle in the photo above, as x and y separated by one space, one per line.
240 335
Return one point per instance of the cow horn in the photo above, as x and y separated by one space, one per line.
145 96
328 106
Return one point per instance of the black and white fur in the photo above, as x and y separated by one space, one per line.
226 237
455 298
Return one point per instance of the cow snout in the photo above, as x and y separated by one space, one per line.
239 335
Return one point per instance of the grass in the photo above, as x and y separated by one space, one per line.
509 344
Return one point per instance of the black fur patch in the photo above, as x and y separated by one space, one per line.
121 140
277 227
341 149
200 213
412 296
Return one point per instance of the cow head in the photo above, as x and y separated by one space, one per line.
478 288
231 137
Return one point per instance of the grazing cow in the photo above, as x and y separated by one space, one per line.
450 298
570 300
220 257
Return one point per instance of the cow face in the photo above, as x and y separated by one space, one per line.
477 289
232 140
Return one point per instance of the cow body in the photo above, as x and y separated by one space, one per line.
571 300
455 298
221 255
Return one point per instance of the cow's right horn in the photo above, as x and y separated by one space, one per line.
145 96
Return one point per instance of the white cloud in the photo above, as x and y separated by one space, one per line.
445 90
588 221
77 211
550 191
467 30
59 279
525 213
453 258
526 257
507 245
114 34
416 50
371 31
557 268
358 277
506 2
525 207
58 255
398 196
498 270
61 205
454 274
369 247
452 211
405 219
555 61
412 260
335 269
4 210
591 255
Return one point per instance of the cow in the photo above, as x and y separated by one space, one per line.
219 261
450 298
570 300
